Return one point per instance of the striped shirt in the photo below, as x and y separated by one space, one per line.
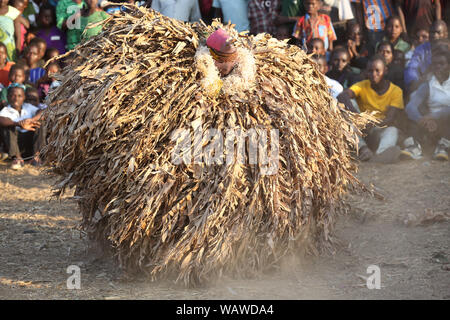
36 74
376 12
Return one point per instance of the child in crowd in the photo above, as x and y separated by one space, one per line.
314 25
42 48
334 86
420 37
341 70
356 46
51 53
429 110
47 82
32 97
5 66
16 75
386 99
32 58
92 14
395 68
19 122
48 31
67 15
24 23
393 34
316 46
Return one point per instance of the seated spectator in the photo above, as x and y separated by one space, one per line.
317 46
340 69
16 76
68 13
429 110
92 14
32 97
5 66
356 47
283 32
19 122
48 31
420 37
334 86
48 82
393 34
20 5
386 99
395 68
421 59
32 58
262 16
314 25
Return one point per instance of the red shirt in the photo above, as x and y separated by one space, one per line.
322 29
4 74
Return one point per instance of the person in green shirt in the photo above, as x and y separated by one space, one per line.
393 33
68 19
91 15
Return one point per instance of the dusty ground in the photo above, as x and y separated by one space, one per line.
407 235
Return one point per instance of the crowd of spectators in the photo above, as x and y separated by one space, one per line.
387 56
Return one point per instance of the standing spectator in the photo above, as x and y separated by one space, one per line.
418 14
262 16
234 11
48 31
42 47
32 58
356 46
31 11
9 29
380 95
421 59
92 14
393 34
314 25
420 37
184 10
5 66
68 13
375 15
20 5
291 11
206 10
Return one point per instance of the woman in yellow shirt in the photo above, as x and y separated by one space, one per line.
379 95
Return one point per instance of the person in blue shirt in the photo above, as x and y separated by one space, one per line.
421 59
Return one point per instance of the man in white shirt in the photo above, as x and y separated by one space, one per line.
184 10
235 11
19 122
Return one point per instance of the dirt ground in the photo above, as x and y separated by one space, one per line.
406 234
